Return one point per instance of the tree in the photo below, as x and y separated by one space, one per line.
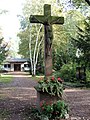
62 46
34 40
34 53
78 2
3 50
3 11
82 42
64 51
88 1
24 43
3 45
30 45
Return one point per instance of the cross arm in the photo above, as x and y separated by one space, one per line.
56 20
36 19
46 20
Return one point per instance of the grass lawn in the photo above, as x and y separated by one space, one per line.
5 79
37 78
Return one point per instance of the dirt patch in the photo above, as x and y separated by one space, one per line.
17 96
79 103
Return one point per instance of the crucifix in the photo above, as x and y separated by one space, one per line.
47 20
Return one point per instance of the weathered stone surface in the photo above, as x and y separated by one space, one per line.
47 20
45 97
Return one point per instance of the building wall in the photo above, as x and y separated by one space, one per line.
23 67
12 66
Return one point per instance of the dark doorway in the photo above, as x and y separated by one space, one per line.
17 67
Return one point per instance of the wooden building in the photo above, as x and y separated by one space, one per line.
16 64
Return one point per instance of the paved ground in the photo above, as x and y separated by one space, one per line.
20 94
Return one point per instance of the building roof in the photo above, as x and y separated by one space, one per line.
11 60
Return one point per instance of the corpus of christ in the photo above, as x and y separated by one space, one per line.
47 20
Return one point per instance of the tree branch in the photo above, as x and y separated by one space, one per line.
38 49
88 2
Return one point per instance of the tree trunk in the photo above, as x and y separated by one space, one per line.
34 59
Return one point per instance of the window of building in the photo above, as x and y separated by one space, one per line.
26 65
7 65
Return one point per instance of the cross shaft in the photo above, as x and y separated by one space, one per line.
47 20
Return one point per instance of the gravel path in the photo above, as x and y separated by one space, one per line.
20 94
79 103
16 96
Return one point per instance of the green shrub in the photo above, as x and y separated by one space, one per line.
55 111
88 75
67 72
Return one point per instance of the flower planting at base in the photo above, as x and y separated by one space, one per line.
50 103
55 111
53 86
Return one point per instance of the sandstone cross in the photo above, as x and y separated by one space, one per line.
47 20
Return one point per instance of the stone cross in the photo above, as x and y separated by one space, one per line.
47 20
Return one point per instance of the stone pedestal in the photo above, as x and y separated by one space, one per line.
43 96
